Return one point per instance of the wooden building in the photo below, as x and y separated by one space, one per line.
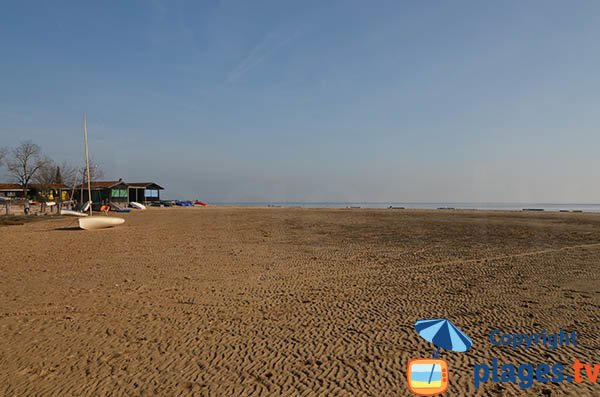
104 192
120 192
49 192
11 190
144 192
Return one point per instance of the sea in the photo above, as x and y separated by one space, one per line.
418 205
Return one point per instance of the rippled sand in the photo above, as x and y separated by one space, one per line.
273 301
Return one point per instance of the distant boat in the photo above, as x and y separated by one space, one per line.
94 222
202 203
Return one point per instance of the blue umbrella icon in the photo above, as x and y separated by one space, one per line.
444 335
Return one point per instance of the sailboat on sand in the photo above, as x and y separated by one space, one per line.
94 222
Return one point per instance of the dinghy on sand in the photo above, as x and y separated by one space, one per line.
137 205
99 222
73 213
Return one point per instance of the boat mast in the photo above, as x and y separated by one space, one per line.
87 163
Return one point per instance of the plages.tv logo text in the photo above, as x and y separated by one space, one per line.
525 374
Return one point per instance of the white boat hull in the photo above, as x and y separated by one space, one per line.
86 207
137 205
99 222
73 213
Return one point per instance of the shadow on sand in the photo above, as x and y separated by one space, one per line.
68 228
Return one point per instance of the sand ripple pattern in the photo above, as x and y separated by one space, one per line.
297 302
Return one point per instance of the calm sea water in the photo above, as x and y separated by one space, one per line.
479 206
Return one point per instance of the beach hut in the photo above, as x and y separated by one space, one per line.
105 192
144 192
50 192
11 190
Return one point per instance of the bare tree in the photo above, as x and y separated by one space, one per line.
3 153
95 172
46 174
53 173
24 162
68 173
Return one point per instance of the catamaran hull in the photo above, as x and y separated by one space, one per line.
73 213
99 222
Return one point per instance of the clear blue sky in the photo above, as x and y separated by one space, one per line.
314 100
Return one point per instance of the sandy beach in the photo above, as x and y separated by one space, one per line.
274 301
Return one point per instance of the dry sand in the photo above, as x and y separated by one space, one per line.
241 301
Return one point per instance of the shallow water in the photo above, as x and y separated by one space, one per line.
419 205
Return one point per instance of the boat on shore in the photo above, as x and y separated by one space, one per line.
99 222
94 222
137 205
73 213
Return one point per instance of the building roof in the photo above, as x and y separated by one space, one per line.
10 186
49 186
146 185
103 184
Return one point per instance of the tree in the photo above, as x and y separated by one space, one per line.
45 175
66 173
95 172
3 152
50 174
53 173
58 175
24 162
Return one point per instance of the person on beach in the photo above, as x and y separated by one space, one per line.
26 207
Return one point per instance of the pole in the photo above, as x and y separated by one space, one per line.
87 162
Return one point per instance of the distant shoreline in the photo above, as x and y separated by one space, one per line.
550 207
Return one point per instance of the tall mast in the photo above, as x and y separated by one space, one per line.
87 163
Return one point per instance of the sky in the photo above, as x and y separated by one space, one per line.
379 101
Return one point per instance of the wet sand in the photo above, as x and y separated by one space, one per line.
275 301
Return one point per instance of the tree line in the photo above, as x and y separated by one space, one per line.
26 164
